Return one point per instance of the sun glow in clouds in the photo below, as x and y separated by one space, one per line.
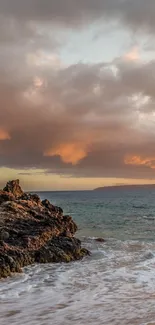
139 161
132 55
69 153
4 135
38 82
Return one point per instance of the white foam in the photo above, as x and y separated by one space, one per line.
116 285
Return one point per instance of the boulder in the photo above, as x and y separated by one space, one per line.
100 240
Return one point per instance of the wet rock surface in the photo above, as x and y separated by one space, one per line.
100 240
34 231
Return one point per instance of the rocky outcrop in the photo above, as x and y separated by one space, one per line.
14 188
34 231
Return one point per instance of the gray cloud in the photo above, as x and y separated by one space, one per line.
41 23
137 13
84 120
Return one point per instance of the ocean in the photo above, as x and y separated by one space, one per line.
113 286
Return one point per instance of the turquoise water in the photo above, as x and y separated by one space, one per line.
114 286
121 214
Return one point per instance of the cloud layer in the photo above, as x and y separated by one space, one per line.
133 12
86 120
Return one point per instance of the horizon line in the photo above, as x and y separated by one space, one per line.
93 189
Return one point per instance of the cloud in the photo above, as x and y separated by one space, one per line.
4 135
44 24
58 122
25 174
137 13
86 120
138 161
69 152
132 55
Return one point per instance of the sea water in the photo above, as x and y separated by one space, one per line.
113 286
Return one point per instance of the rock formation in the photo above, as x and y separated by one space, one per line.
34 231
14 188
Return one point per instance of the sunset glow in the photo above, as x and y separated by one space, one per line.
138 161
69 153
4 135
77 93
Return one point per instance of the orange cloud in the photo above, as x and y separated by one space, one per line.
69 152
139 161
4 135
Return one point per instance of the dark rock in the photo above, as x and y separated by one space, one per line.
58 211
35 198
6 196
25 197
32 231
100 240
48 205
61 249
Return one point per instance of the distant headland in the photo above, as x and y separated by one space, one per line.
125 186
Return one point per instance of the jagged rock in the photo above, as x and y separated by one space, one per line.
51 207
47 204
14 188
35 198
100 240
34 231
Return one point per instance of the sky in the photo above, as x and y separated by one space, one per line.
77 93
